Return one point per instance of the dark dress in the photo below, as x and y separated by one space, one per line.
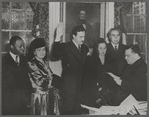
95 73
16 87
72 74
134 81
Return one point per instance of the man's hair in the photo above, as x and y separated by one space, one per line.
135 49
77 28
82 10
112 29
14 39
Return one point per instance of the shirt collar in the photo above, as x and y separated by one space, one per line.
115 45
75 43
14 56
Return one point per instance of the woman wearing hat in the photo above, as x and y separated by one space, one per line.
41 78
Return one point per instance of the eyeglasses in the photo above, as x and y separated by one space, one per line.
21 46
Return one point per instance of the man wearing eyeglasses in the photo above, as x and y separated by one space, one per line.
16 86
117 50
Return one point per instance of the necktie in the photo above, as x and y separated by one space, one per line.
17 61
79 47
84 26
116 49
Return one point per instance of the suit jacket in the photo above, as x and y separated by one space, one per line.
16 87
134 81
120 62
72 73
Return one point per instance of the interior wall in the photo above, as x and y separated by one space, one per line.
54 19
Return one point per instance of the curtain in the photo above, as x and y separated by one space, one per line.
35 8
44 20
40 20
121 9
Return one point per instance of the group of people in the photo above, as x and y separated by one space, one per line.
105 77
28 79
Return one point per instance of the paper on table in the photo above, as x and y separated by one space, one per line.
122 109
127 105
108 110
104 110
142 107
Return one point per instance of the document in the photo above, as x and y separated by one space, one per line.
128 104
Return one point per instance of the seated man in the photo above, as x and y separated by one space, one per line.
134 79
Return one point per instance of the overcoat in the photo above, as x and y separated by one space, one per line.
16 87
41 77
39 74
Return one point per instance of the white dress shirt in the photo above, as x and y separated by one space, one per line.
14 57
117 45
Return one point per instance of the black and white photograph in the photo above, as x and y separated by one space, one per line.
74 58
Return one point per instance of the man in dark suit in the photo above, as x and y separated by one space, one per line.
134 79
16 86
73 55
116 50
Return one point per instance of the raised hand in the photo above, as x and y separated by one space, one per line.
59 31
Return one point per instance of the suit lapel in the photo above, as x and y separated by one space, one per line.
11 61
21 61
75 51
119 51
111 48
84 52
120 48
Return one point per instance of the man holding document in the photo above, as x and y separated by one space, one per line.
134 79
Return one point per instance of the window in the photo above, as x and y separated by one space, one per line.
137 27
17 19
